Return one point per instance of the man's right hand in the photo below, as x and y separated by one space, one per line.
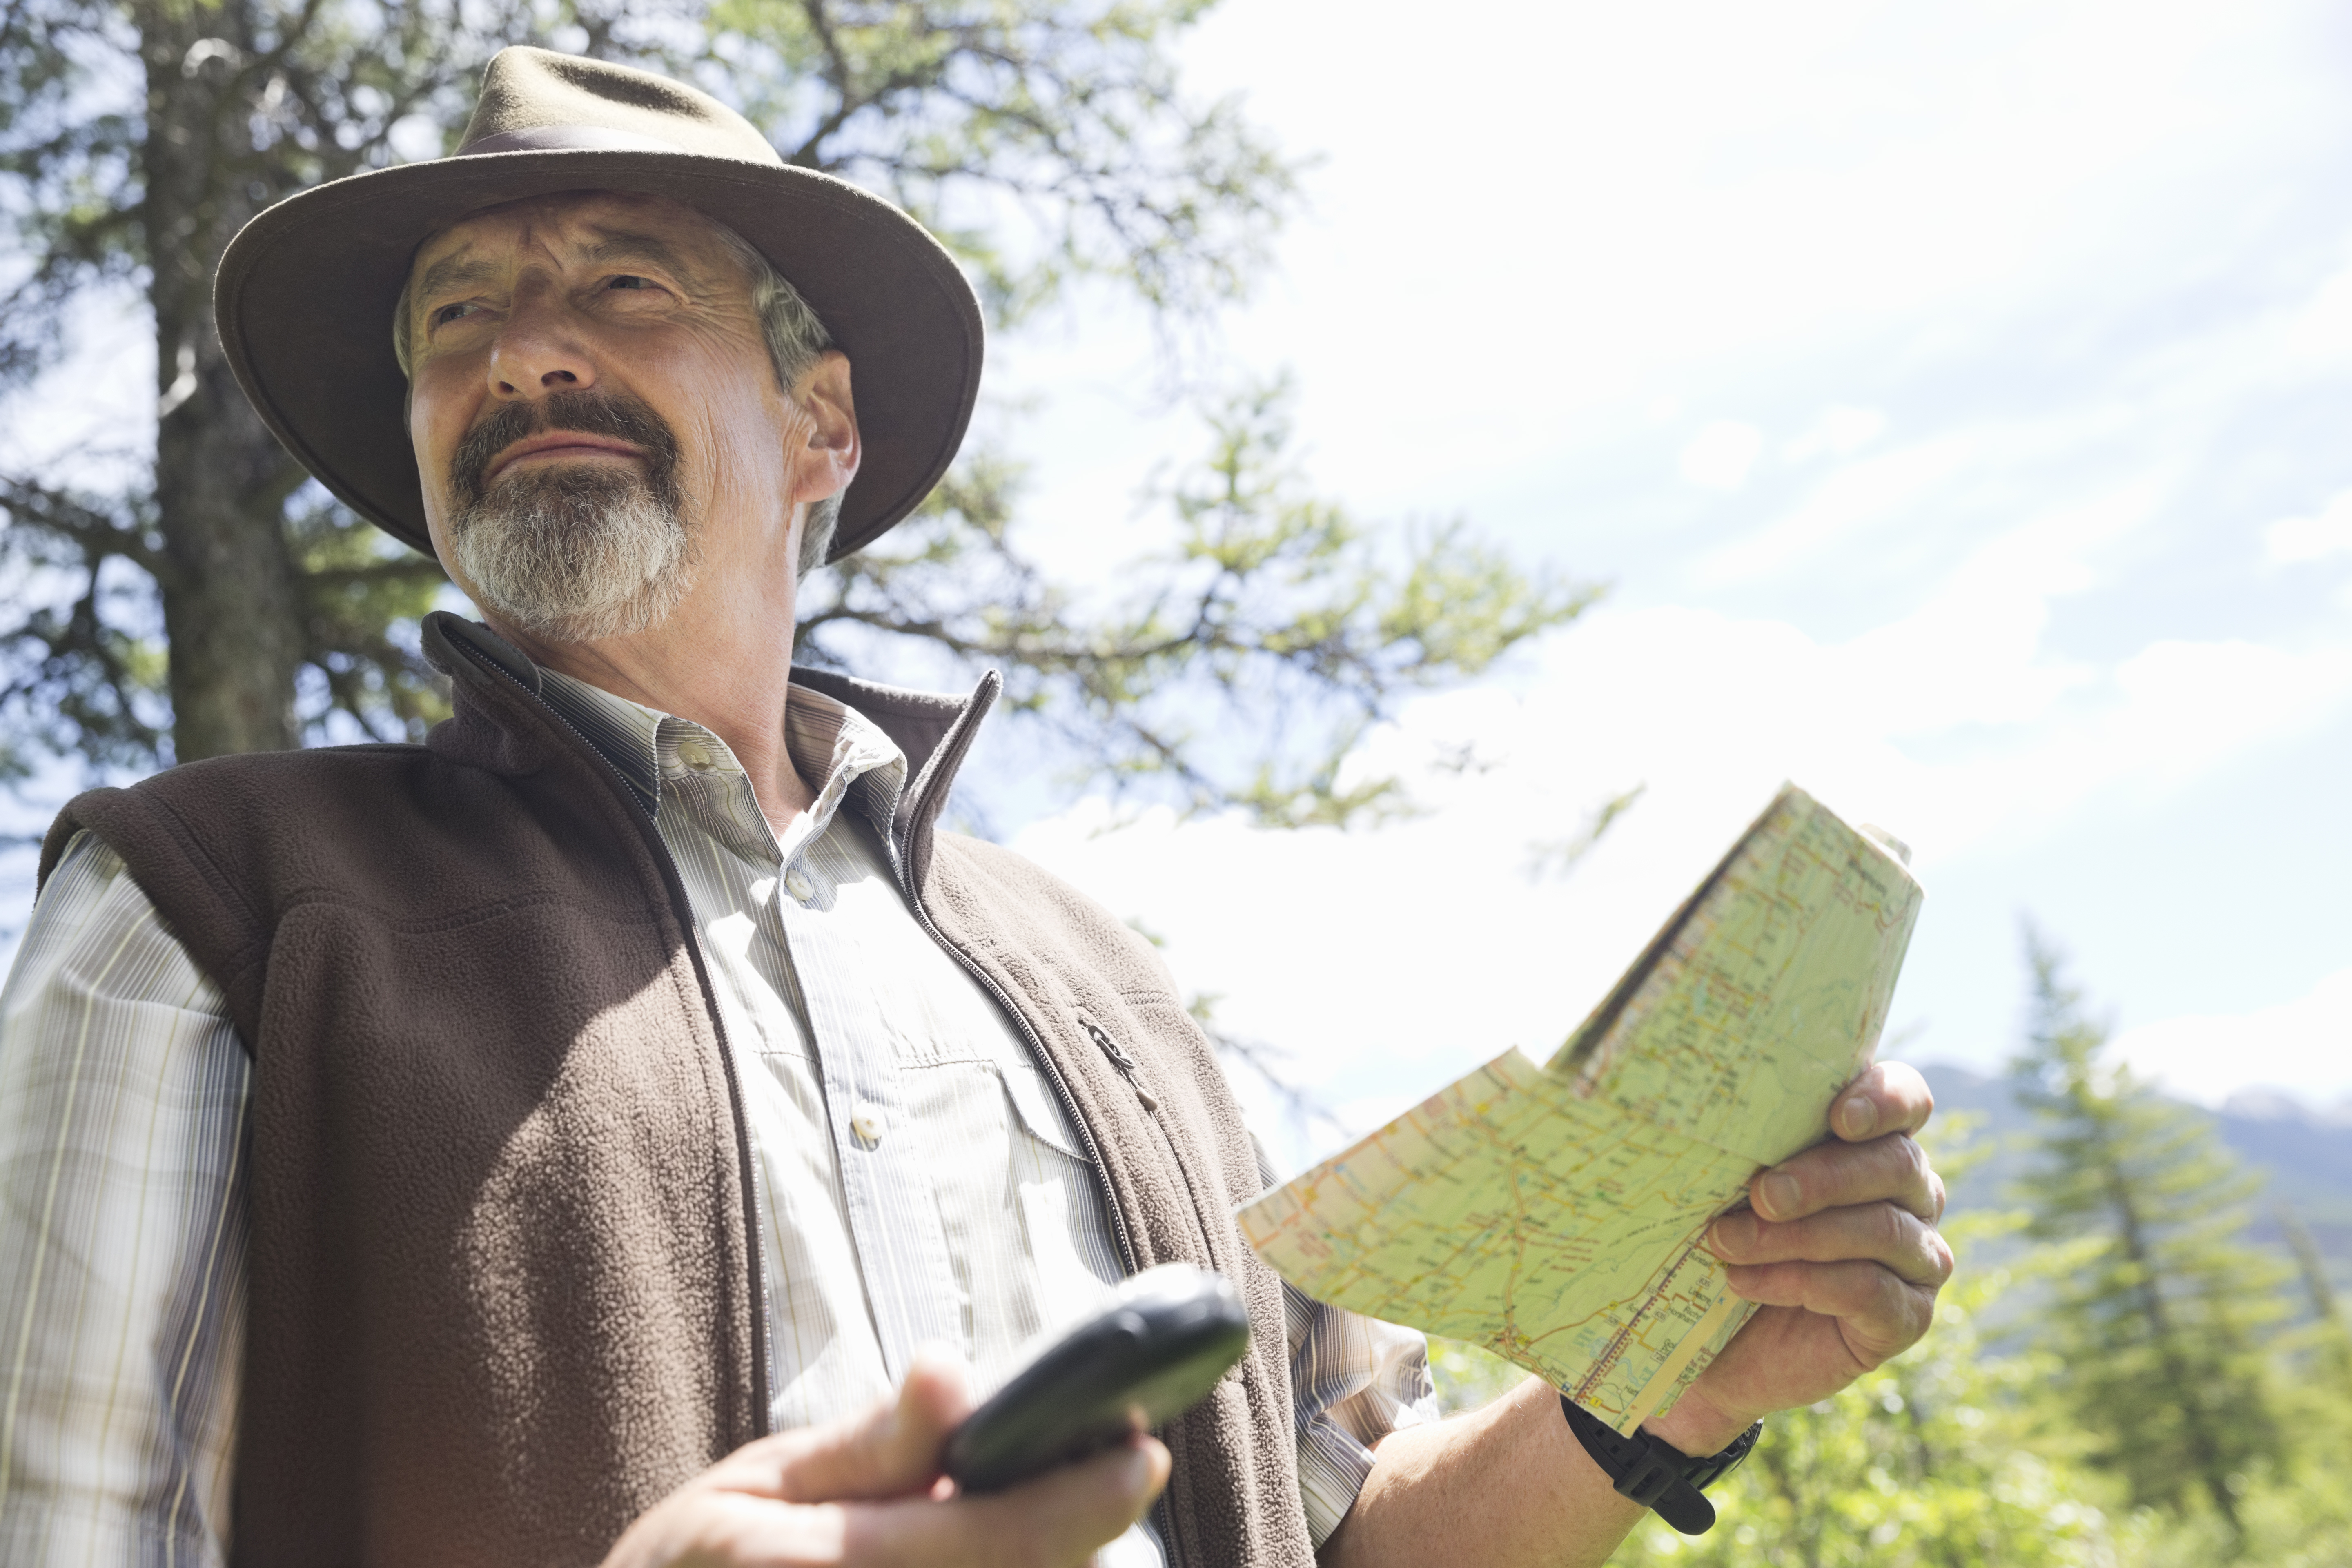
870 1491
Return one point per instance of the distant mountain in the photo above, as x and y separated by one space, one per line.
2304 1153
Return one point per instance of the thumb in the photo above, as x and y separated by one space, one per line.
891 1451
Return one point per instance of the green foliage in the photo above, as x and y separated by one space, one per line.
1934 1459
1944 1457
1468 1376
2319 1350
2158 1324
1253 652
360 592
1065 114
1558 857
83 674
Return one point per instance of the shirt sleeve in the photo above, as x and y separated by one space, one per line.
122 1233
1353 1380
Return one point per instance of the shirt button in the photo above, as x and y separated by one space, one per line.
695 756
866 1123
797 884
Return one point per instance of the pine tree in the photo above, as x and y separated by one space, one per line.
2157 1326
2330 1332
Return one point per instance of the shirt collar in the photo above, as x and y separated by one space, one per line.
840 754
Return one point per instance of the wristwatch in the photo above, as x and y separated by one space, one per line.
1653 1472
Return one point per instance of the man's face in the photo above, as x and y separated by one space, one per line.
595 412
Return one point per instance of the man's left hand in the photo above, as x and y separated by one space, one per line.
1844 1254
1842 1250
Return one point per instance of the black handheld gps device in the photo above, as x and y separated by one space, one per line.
1160 1345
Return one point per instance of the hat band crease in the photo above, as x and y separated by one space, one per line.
567 138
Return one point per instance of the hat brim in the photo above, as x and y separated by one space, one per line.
306 293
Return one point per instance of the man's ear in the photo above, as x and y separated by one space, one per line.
829 461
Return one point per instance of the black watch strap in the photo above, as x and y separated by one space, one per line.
1653 1472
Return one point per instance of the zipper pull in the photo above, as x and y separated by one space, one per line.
1120 1060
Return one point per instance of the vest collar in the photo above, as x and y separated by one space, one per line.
935 731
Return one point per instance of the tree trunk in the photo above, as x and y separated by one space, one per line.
232 603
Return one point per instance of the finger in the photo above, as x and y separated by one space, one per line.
1889 1097
1059 1519
1833 1175
1877 1233
892 1450
1879 1315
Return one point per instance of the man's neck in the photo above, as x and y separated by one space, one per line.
730 674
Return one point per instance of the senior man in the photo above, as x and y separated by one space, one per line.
607 1129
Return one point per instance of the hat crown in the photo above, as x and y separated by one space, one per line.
535 99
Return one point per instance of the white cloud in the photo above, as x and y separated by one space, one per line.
1840 431
2303 1046
1720 456
2322 330
1854 498
2294 539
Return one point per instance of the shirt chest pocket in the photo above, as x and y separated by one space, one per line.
1037 1112
1073 1258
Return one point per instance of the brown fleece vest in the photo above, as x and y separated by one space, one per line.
504 1295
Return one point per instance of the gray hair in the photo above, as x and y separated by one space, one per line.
797 340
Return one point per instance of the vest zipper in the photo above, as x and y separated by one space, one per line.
1053 1074
674 886
902 867
1162 1514
1120 1060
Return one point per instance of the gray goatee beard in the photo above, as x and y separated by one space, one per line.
573 554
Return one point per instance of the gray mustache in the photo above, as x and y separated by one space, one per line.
587 412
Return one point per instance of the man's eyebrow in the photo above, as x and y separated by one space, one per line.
623 245
462 270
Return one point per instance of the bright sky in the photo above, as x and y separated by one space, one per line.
1956 397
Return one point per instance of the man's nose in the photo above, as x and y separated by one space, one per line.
539 350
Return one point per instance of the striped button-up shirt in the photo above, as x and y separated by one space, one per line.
918 1177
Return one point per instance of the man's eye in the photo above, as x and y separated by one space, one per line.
628 280
448 314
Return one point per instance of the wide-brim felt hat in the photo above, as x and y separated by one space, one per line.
306 293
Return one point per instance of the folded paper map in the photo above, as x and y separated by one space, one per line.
1556 1214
